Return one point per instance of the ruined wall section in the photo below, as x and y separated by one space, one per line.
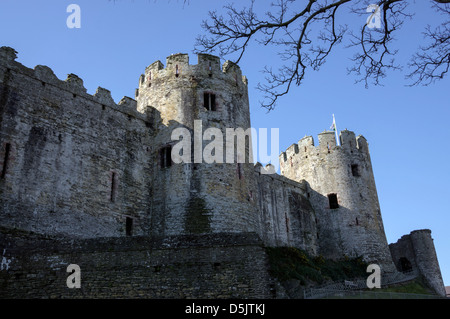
72 163
286 215
198 197
416 252
343 194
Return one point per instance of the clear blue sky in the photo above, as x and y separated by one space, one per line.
407 128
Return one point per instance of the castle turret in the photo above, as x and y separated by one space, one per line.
416 252
196 109
343 193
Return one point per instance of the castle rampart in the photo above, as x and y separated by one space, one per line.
93 171
286 215
416 252
215 266
198 197
343 194
55 136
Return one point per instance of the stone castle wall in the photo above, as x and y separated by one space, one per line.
416 252
73 163
350 223
286 215
82 166
196 266
198 197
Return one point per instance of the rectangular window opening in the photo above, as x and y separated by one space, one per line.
6 159
355 170
287 222
165 156
209 101
129 226
239 170
333 201
113 187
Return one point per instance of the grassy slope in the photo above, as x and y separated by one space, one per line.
287 263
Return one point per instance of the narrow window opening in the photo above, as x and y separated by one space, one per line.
210 70
333 201
239 170
165 156
113 187
355 170
177 72
209 101
6 159
149 79
129 226
357 221
287 222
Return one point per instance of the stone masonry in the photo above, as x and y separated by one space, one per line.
96 182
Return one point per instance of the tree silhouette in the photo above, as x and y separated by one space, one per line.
306 34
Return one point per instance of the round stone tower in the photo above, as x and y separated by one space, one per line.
343 194
203 180
416 252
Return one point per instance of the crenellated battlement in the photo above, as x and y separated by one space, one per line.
72 84
178 66
327 144
80 165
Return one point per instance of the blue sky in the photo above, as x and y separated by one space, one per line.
407 127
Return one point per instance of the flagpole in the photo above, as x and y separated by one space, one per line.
336 132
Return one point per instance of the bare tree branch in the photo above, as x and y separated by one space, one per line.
376 56
306 34
432 62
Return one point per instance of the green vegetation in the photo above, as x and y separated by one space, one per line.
412 290
287 263
292 263
414 287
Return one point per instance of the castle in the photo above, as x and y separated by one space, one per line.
99 177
